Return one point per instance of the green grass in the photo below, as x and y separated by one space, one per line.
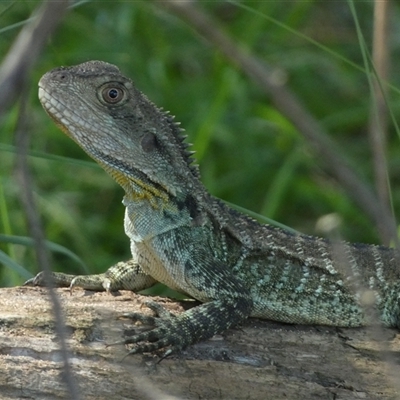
249 153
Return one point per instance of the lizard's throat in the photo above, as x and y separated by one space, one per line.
139 188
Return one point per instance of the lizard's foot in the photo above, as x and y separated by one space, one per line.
160 325
98 282
58 279
125 275
176 332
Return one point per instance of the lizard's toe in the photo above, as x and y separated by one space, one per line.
153 340
144 319
162 332
160 310
37 280
162 317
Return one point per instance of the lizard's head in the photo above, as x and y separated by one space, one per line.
118 126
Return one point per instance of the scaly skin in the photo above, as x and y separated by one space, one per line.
183 237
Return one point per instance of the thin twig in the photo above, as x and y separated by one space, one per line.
287 103
13 83
379 113
36 231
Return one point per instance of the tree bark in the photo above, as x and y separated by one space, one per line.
258 360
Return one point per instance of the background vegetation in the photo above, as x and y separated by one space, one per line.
249 153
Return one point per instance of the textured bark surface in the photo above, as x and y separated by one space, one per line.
259 360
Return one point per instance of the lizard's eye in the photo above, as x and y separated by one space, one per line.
112 95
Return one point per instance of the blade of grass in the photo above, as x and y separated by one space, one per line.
28 242
14 266
310 40
25 21
5 219
52 157
205 130
280 183
371 74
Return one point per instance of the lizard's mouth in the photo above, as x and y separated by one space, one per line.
52 107
69 121
56 109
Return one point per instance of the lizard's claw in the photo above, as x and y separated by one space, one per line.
31 281
162 334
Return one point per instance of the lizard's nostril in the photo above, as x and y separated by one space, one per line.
61 76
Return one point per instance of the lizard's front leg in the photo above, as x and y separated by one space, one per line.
125 275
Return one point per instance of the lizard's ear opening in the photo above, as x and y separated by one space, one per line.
113 93
149 142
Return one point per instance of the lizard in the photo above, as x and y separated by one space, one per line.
194 243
